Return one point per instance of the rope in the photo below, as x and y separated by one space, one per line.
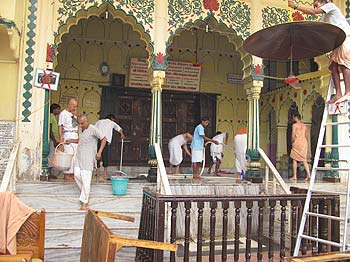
205 145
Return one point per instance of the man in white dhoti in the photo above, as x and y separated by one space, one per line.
176 144
68 131
86 157
216 151
240 145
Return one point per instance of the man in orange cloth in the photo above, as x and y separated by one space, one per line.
12 216
299 146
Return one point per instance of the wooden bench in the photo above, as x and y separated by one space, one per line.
329 257
99 244
30 240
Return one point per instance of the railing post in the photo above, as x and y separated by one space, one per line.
159 228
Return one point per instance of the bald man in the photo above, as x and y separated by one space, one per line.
68 131
86 157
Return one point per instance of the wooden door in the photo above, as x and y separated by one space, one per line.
132 107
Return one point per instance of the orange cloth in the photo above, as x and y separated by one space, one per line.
341 55
299 146
13 214
241 131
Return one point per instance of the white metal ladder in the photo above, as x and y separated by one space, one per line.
315 168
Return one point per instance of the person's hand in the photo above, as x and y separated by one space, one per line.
215 142
98 156
291 3
122 137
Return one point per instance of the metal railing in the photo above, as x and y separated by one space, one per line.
276 175
249 227
8 182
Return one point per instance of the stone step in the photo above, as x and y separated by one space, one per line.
71 238
54 203
126 254
54 189
70 220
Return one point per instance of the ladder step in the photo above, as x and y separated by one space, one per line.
332 169
324 216
329 192
327 242
337 123
334 146
334 160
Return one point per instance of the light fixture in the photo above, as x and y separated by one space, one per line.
106 14
206 28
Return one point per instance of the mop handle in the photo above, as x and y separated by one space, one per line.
121 155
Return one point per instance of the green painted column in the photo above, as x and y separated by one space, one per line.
46 142
253 93
156 123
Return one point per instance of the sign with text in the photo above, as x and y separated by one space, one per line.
180 76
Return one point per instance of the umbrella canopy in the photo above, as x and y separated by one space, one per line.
295 40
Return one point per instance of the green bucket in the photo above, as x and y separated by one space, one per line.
119 184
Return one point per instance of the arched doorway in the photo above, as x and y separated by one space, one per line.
221 95
93 58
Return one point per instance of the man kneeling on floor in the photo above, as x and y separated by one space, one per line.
86 157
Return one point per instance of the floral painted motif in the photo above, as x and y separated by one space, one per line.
211 5
298 16
159 62
233 13
140 9
236 15
257 72
272 16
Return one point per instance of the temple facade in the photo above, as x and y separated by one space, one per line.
159 66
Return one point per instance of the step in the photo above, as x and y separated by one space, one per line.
334 146
337 123
72 203
126 254
75 220
71 238
327 242
69 188
321 191
325 216
332 169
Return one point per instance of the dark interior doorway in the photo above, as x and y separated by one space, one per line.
181 113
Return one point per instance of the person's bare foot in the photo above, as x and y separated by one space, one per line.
197 177
293 179
307 179
333 99
84 206
345 97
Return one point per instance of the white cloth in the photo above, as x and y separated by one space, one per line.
334 16
87 148
175 149
71 149
83 180
216 150
69 125
240 144
106 126
197 156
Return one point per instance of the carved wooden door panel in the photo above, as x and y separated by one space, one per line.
133 113
181 113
